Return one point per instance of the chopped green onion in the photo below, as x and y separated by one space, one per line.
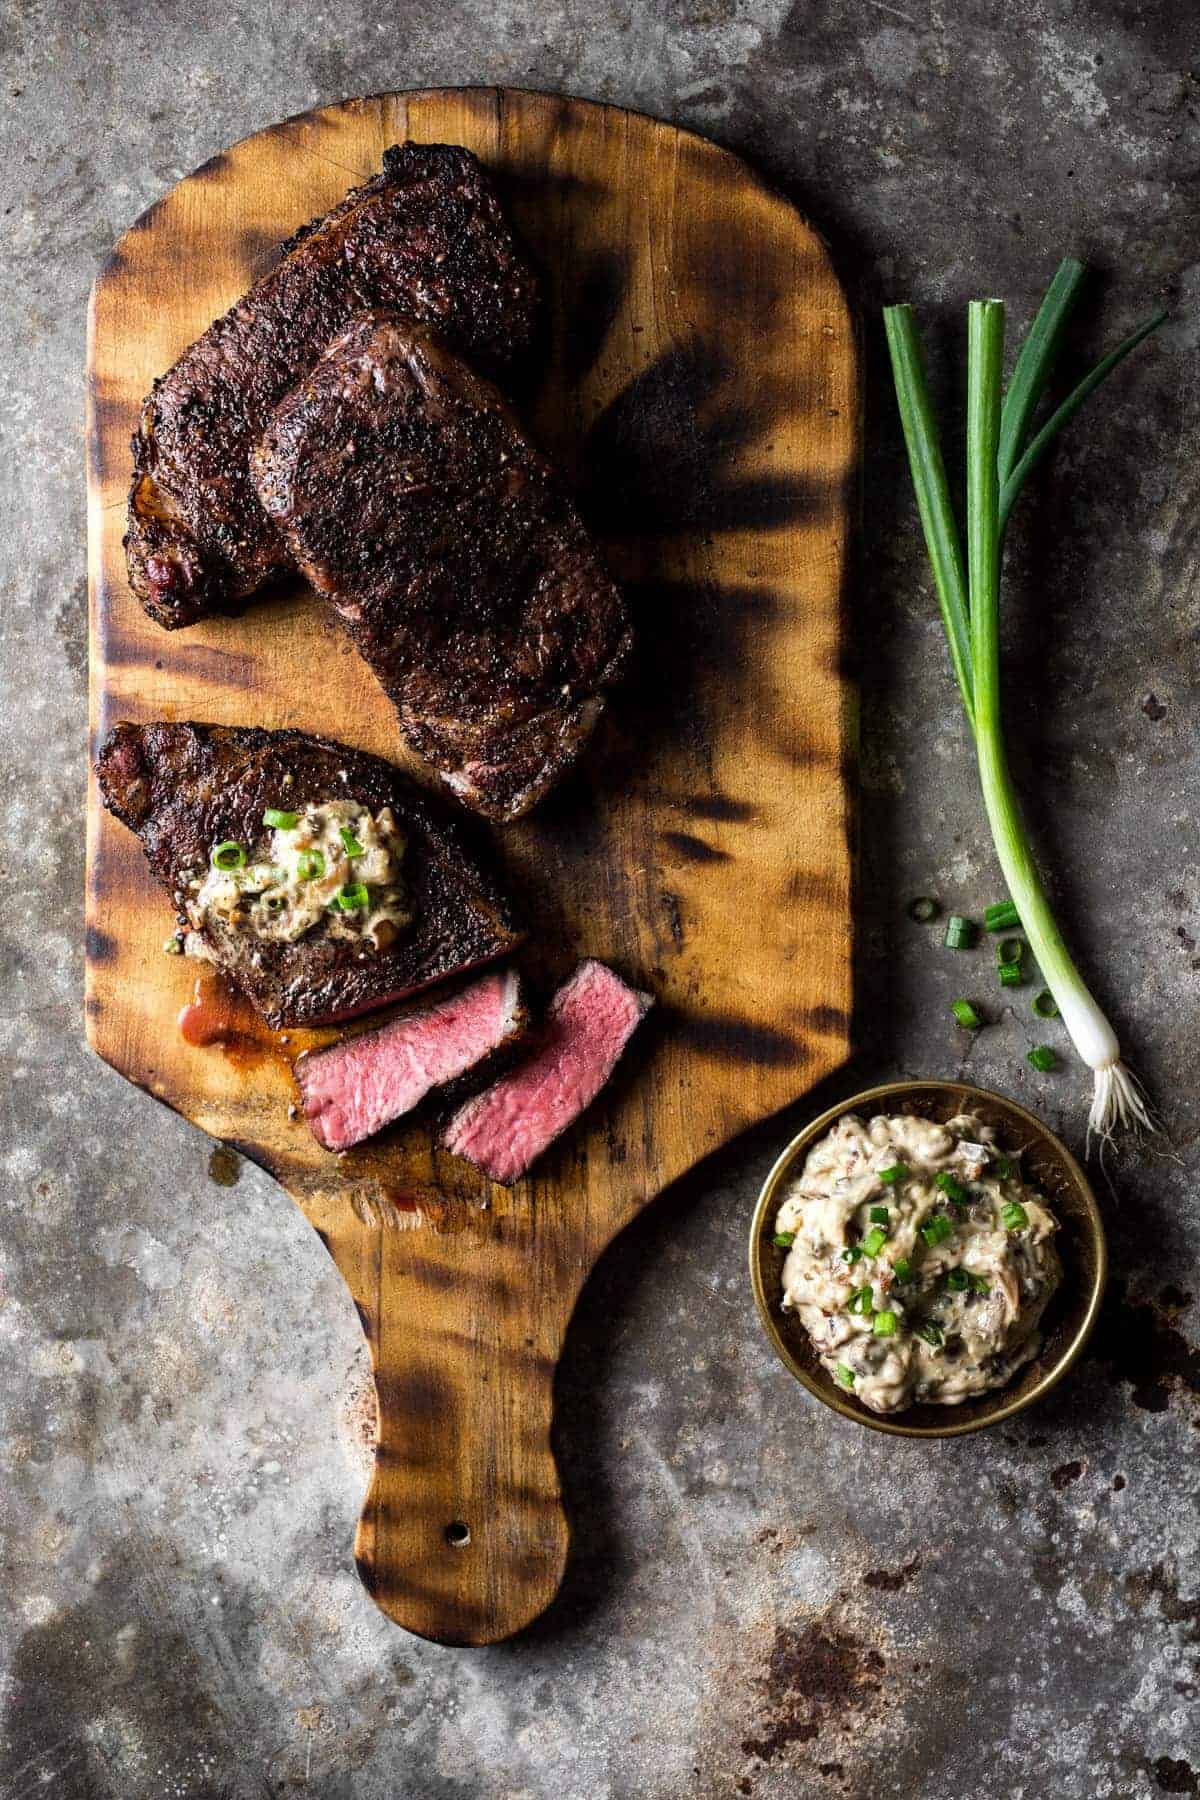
783 1240
862 1300
852 1253
280 821
1011 974
1002 1168
354 897
960 933
310 865
885 1324
1014 1216
1042 1057
174 946
275 902
874 1241
903 1268
879 1215
229 855
1003 447
894 1172
953 1189
924 909
1002 917
932 1333
958 1281
1010 950
936 1228
966 1014
845 1375
1045 1005
978 1284
350 843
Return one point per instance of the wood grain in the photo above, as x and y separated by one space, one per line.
702 393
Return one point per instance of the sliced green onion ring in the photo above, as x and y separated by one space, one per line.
229 855
1011 974
1044 1005
874 1241
903 1268
885 1324
894 1172
880 1215
967 1016
350 843
1010 949
1002 917
310 865
1043 1058
961 934
277 820
354 897
783 1240
845 1375
1014 1216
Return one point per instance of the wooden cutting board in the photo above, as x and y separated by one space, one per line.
702 392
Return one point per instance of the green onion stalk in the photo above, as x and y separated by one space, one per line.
1003 448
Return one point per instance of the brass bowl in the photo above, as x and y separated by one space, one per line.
1047 1164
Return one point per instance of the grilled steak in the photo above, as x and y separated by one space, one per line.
407 492
426 237
410 905
355 1088
591 1019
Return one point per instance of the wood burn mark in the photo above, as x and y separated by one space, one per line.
736 1040
693 849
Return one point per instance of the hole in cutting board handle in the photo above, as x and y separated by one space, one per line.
457 1535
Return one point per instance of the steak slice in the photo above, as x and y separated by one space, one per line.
187 788
427 237
409 495
355 1088
504 1130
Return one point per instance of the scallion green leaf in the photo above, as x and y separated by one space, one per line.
894 1172
932 1333
277 820
958 1281
229 855
1044 1005
936 1229
1010 950
845 1375
783 1240
1011 974
1014 1216
885 1324
353 897
966 1015
851 1254
1043 1058
903 1268
350 843
874 1241
879 1215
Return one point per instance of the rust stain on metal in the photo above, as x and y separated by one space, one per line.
819 1676
890 1581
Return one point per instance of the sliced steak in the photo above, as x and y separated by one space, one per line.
188 789
409 495
504 1130
426 237
355 1088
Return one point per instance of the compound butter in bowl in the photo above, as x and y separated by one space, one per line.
927 1258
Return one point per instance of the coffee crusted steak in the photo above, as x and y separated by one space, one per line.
184 788
354 1088
426 237
409 495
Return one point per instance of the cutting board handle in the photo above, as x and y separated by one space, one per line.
462 1538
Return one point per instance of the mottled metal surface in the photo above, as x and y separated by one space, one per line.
764 1601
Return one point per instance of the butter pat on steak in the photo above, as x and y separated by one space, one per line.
206 799
504 1130
353 1089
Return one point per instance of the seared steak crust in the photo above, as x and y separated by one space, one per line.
409 495
183 788
426 237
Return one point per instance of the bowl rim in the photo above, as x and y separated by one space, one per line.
893 1425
